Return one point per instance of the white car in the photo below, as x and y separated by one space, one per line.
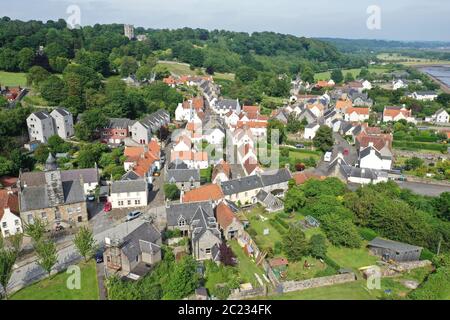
327 156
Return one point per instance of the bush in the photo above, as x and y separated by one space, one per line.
367 234
426 254
277 247
252 232
331 263
282 222
328 271
221 292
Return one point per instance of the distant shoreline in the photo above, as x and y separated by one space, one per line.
444 87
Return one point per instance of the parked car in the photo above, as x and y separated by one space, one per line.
99 256
346 152
133 215
327 156
107 207
91 197
300 146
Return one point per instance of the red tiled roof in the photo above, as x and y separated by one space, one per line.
251 109
343 104
204 193
9 200
7 181
302 177
395 111
225 215
364 111
278 262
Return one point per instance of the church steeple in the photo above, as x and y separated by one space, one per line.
50 164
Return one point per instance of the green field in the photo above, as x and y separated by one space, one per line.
184 69
407 60
257 224
347 291
13 79
351 258
55 288
355 72
247 267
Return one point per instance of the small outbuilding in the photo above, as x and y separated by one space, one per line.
393 250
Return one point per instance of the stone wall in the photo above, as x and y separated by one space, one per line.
395 269
239 294
289 286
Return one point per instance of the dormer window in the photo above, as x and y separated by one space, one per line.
181 222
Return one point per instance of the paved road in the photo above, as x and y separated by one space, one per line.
425 189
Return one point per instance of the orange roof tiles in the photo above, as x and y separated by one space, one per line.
251 109
343 104
9 200
302 177
204 193
225 215
395 111
364 111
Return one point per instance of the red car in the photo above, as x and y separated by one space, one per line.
107 207
346 152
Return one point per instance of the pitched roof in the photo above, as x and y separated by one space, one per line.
222 166
395 111
9 200
182 175
393 245
225 215
204 193
251 109
122 186
186 211
302 177
273 177
141 239
358 110
344 104
242 184
278 262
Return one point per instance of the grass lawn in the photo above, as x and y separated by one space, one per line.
407 60
35 100
13 79
256 223
296 271
295 155
55 288
205 174
351 258
355 72
184 69
247 267
347 291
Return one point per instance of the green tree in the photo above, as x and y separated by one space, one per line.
308 75
26 59
90 154
58 144
246 74
337 76
318 246
7 260
323 139
294 199
53 90
413 163
276 130
144 72
41 153
128 66
295 244
35 230
85 243
171 191
6 166
341 231
349 77
183 279
47 255
36 75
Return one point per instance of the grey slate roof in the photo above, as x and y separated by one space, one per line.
89 175
128 186
273 177
132 244
241 185
62 111
130 175
227 104
177 164
183 175
392 245
119 123
201 223
42 115
73 192
187 211
269 201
